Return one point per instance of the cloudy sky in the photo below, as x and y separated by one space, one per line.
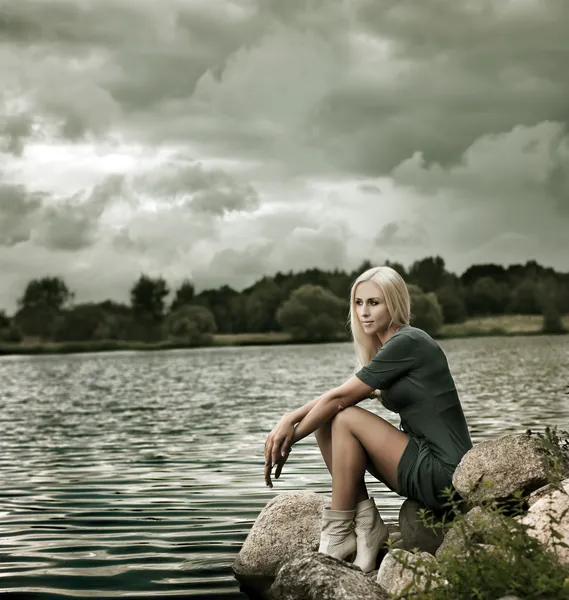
222 140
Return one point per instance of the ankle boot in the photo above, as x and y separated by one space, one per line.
338 538
371 534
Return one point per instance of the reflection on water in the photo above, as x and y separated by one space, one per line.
140 474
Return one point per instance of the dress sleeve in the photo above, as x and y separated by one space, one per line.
394 359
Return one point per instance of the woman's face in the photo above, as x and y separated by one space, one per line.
371 308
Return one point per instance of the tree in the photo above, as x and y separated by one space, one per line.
4 320
48 292
83 322
147 298
193 325
549 302
313 313
184 295
486 297
8 330
429 273
41 305
475 272
452 304
261 307
426 312
524 299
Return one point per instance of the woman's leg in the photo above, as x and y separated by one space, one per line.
359 437
324 438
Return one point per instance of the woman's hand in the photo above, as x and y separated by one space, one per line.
277 448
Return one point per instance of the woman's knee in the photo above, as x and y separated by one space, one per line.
344 417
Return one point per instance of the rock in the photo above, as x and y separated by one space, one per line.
476 526
539 493
403 571
414 533
542 516
287 525
314 576
395 539
495 469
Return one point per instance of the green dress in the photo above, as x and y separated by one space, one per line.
412 372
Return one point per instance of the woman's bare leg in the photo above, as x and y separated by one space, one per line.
360 436
324 438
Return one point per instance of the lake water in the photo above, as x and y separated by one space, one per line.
140 474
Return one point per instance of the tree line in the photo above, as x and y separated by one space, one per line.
310 305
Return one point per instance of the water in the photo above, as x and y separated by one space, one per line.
140 474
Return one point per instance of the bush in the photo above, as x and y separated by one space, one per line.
79 323
313 313
493 556
194 325
10 334
452 304
426 312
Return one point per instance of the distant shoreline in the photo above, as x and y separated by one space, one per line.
500 326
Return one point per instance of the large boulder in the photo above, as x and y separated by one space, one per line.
495 469
404 572
315 576
414 533
289 524
475 527
550 512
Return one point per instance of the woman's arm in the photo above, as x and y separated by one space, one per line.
297 415
309 417
331 403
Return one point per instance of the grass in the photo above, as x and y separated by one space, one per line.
502 325
497 325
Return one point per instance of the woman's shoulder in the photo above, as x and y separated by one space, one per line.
417 336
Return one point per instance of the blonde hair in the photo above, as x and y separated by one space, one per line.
396 294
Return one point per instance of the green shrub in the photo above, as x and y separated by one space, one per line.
490 562
313 313
191 324
426 312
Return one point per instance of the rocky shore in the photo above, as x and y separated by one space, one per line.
514 501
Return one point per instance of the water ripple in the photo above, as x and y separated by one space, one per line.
138 475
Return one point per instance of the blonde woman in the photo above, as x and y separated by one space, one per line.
417 460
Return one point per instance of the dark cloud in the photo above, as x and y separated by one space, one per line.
393 236
203 190
252 136
14 129
73 224
18 213
57 224
441 74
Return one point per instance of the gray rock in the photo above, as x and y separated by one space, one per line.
550 512
315 576
495 469
287 525
392 528
414 533
475 527
402 571
539 493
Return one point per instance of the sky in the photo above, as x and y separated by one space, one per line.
224 140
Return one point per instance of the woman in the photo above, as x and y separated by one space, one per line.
418 460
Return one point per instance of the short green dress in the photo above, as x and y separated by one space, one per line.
412 372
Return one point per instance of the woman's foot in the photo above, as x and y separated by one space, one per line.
371 533
338 538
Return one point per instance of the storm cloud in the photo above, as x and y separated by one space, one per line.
227 140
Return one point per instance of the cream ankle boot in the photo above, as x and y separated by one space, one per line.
338 538
371 534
